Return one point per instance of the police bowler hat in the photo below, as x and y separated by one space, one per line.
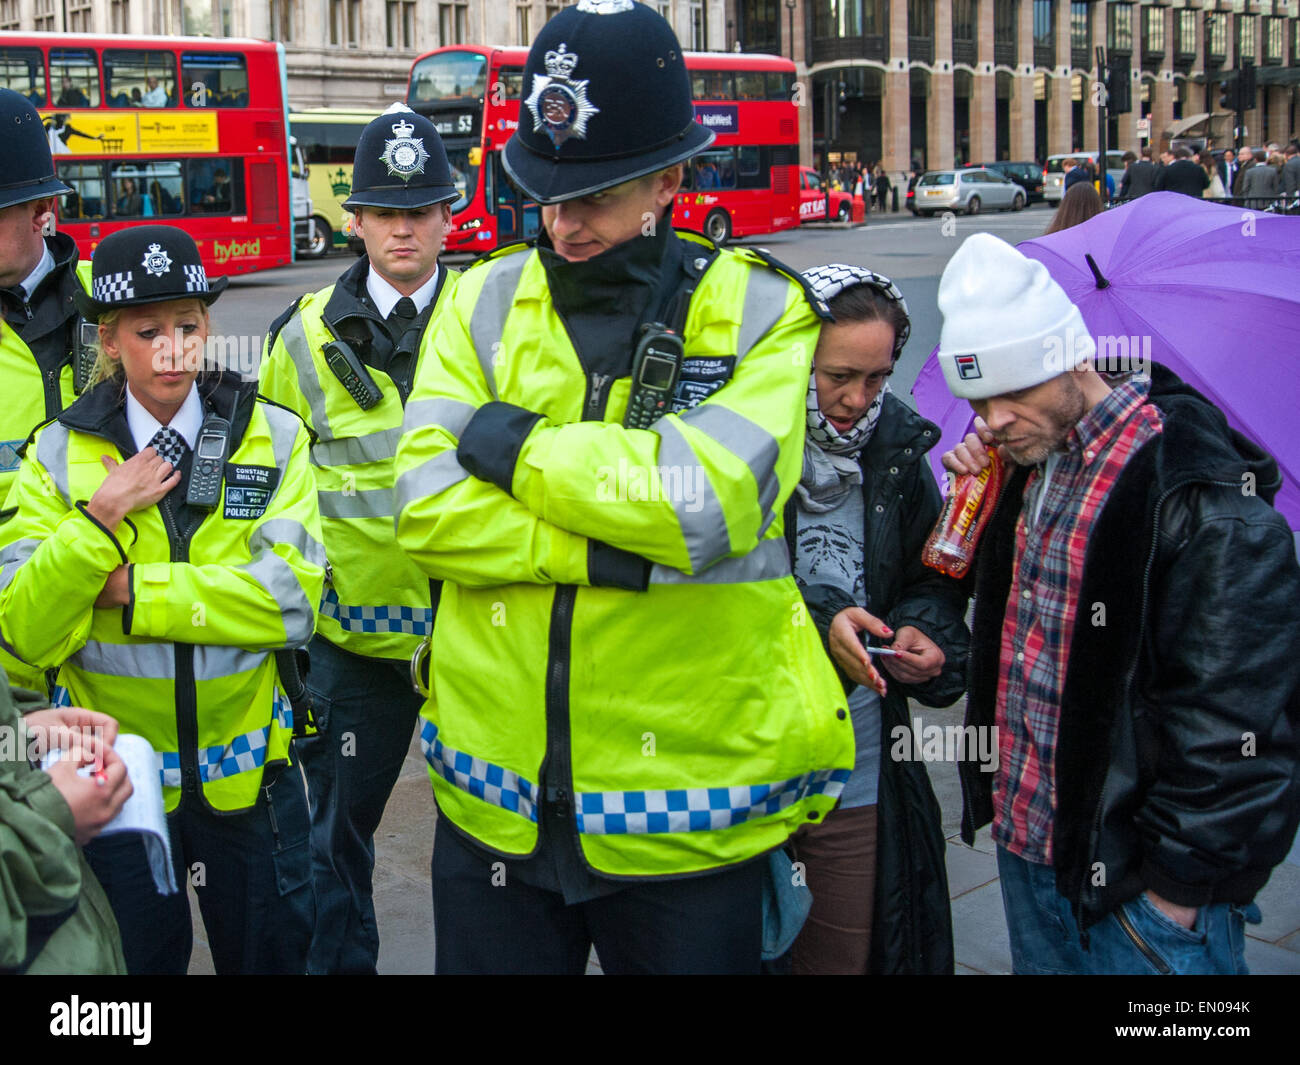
400 163
26 166
145 264
608 99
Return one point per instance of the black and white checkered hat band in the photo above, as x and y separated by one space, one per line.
114 288
830 280
196 279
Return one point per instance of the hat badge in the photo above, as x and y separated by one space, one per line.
156 262
404 154
559 102
605 7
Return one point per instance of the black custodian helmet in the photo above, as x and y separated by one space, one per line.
400 163
145 264
608 100
26 166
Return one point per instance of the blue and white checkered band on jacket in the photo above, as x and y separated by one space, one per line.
196 279
114 287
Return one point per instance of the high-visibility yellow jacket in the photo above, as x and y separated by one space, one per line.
188 663
697 721
376 601
33 394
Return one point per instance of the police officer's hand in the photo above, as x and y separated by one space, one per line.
54 720
972 454
116 590
847 650
921 658
133 485
95 799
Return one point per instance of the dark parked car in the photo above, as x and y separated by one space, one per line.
1028 175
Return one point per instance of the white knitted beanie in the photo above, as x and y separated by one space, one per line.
1007 324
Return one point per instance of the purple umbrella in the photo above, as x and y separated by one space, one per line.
1213 290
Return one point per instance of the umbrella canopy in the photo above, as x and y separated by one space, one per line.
1210 291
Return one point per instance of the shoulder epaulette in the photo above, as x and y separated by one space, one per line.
502 250
773 263
281 322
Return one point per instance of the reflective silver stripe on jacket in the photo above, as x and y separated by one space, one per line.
157 660
355 450
366 503
766 294
751 443
451 414
291 532
488 321
769 561
283 426
704 529
294 338
14 555
52 453
281 583
429 479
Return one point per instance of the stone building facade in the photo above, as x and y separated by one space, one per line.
342 53
951 81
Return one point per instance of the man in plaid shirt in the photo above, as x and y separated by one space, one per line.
1147 779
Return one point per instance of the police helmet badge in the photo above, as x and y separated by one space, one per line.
558 102
604 7
404 154
156 261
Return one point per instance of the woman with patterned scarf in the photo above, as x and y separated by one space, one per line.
856 524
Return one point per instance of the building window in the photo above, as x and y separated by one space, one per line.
8 14
920 18
1004 22
337 28
1246 36
1276 30
44 16
1119 27
963 20
400 24
1153 30
282 20
554 9
1044 23
79 17
760 25
120 16
523 29
1216 36
1080 28
699 26
453 23
1187 32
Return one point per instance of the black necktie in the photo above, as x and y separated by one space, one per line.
169 444
402 314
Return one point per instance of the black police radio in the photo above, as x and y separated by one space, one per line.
656 365
204 490
352 372
85 349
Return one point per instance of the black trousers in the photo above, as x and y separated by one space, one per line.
486 921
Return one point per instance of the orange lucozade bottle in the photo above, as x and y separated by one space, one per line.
950 547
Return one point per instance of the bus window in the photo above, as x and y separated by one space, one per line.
512 79
711 85
22 70
86 200
449 76
145 189
714 170
780 86
216 186
75 76
328 142
464 174
751 172
750 86
214 79
139 79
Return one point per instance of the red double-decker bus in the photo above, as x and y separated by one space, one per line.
746 183
187 131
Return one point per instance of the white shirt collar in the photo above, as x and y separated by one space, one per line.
143 425
385 297
38 275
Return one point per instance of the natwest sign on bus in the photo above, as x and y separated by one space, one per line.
721 118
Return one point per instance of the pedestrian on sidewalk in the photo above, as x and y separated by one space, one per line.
1147 778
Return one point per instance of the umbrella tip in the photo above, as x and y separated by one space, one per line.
1096 273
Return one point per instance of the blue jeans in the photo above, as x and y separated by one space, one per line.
365 716
252 875
1045 938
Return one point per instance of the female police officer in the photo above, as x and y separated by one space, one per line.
167 540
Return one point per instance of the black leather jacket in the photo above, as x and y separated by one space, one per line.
912 923
1176 763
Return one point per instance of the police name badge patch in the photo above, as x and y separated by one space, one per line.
559 102
968 367
699 379
404 155
249 490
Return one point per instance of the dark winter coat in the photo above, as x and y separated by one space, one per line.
1178 757
912 924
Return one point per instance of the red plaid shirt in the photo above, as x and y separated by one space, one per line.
1051 537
